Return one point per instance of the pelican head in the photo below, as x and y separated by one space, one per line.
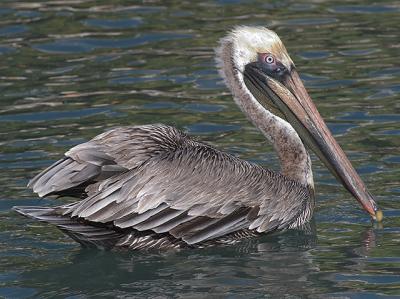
254 61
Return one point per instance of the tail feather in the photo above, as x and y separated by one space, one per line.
87 235
44 214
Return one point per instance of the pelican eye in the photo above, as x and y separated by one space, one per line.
267 63
269 59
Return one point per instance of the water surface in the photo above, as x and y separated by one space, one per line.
71 69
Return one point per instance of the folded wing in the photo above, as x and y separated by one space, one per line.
169 185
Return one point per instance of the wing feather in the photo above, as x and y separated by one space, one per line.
173 223
233 222
159 219
133 219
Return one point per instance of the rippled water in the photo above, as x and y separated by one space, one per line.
70 69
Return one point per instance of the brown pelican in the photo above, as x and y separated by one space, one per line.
152 186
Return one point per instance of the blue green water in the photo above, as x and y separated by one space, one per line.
71 69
